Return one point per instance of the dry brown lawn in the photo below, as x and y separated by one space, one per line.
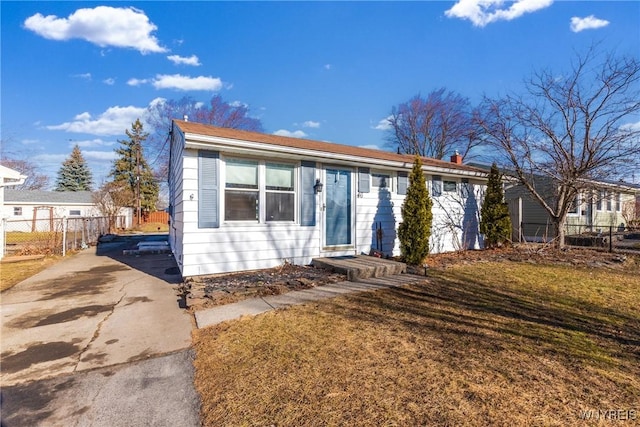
15 272
488 344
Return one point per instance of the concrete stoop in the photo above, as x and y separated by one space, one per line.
360 267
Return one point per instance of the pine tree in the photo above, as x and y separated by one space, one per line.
74 174
415 229
495 222
131 168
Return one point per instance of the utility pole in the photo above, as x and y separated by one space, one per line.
138 213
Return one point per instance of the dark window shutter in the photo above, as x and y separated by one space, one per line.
403 182
208 189
308 194
364 180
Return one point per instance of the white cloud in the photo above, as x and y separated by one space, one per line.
49 158
82 116
588 23
110 81
100 155
29 141
384 124
137 82
311 124
237 104
371 147
293 134
114 121
483 12
102 25
84 76
190 60
633 127
88 143
180 82
327 66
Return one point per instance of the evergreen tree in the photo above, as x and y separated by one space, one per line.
131 168
74 174
495 222
415 229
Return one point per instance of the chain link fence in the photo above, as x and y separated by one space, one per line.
56 235
610 237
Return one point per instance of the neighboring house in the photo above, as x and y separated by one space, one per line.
244 200
8 177
37 207
602 206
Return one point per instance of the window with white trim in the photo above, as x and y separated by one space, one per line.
574 205
74 212
609 201
436 186
280 192
17 211
601 197
618 202
241 190
380 180
259 191
449 186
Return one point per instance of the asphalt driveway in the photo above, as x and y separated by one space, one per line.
98 339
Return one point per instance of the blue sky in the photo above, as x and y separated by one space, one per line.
82 72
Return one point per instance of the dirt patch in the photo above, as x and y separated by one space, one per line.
209 291
37 353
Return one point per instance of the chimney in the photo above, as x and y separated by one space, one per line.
185 118
456 158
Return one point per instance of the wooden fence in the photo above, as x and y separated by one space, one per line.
161 217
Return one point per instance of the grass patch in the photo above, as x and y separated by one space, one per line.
532 345
153 227
15 272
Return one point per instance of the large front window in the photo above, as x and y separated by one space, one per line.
251 184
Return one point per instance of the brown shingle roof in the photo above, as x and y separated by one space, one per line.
308 144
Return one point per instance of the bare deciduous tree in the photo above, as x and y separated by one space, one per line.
218 112
34 181
569 130
435 126
110 198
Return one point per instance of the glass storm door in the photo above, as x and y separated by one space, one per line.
337 222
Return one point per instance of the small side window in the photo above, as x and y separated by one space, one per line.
436 186
380 180
449 186
74 212
17 211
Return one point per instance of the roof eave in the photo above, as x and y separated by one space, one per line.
198 141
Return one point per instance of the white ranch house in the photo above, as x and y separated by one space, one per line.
32 210
244 200
8 178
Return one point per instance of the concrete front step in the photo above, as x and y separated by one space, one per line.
360 267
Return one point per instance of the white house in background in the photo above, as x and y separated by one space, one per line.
244 200
22 207
8 177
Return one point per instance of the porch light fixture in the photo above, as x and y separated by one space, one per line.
317 188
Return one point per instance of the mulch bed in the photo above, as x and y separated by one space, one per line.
209 291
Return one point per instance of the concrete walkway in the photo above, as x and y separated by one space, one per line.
255 306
